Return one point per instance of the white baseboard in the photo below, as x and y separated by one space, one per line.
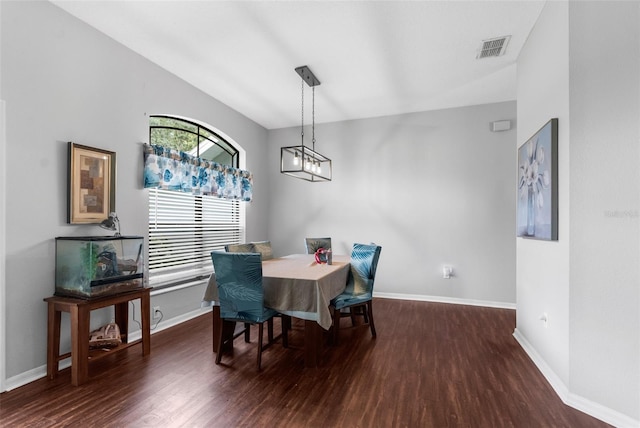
591 408
441 299
31 375
40 372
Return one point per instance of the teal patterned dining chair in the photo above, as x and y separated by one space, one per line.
243 248
241 296
358 293
312 244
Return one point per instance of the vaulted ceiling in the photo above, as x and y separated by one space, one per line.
373 58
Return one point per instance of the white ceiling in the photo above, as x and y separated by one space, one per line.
373 58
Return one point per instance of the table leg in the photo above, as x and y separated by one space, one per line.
217 325
122 319
79 315
145 311
312 343
53 340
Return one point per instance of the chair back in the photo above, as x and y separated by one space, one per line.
240 292
239 248
264 248
312 244
364 263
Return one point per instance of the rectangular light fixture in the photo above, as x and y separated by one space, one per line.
305 163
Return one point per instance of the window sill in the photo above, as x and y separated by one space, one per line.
165 284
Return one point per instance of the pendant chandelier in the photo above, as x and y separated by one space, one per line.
301 161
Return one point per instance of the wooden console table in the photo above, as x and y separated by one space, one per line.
79 312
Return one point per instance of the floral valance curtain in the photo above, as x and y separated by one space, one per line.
170 169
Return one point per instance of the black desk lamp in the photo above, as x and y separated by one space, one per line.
112 223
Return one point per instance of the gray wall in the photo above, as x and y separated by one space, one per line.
64 81
605 198
543 266
431 188
589 280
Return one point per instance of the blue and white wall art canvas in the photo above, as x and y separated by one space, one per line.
538 185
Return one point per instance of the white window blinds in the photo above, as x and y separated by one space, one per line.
184 229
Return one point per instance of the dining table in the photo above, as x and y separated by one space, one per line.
298 286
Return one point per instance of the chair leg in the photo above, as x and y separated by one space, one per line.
270 330
260 332
352 312
220 342
247 332
285 320
288 318
365 313
336 325
369 309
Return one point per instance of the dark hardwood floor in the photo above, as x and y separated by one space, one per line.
432 365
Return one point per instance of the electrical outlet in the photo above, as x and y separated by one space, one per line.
447 272
156 312
545 319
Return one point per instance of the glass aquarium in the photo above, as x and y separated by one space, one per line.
94 266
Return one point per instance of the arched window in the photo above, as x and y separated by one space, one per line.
185 228
192 138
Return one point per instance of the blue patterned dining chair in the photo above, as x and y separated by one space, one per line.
358 293
264 248
312 244
244 248
241 296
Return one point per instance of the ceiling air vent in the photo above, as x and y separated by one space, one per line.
493 47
